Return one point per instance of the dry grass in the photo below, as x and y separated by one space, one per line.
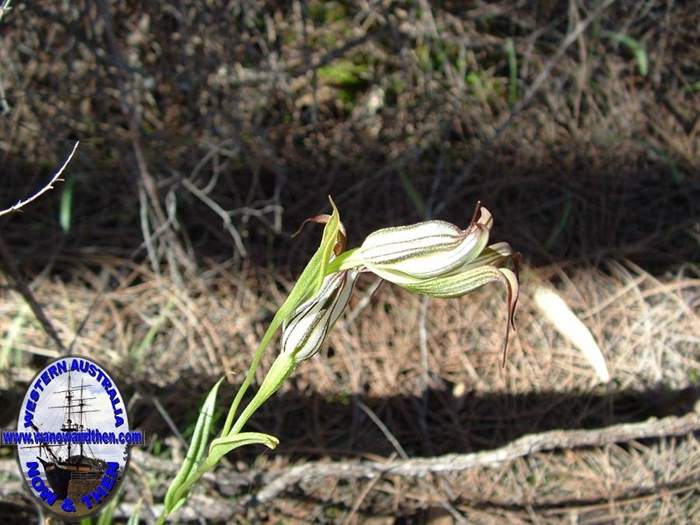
647 330
209 133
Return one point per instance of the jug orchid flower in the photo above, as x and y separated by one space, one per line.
423 250
439 259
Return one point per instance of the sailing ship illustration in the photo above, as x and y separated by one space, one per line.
72 470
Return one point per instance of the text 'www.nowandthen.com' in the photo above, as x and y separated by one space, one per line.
82 437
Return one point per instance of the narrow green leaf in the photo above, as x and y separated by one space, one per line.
66 209
180 503
107 514
637 49
559 227
513 72
222 446
135 516
145 344
413 194
198 446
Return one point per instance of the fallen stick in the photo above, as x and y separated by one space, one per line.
529 444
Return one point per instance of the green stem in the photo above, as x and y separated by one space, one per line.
342 262
184 489
274 325
279 371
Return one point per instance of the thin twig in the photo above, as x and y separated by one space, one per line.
166 417
131 110
146 231
394 443
47 187
4 106
350 518
384 429
90 310
225 216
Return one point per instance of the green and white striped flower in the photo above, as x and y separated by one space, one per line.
438 259
423 250
304 332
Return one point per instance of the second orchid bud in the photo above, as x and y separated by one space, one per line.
304 332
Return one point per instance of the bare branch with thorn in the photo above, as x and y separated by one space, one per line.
47 187
4 8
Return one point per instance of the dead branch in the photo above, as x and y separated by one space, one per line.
526 445
7 261
47 187
131 110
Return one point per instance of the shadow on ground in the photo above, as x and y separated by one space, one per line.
438 423
579 210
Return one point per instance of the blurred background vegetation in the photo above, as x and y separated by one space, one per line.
208 132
